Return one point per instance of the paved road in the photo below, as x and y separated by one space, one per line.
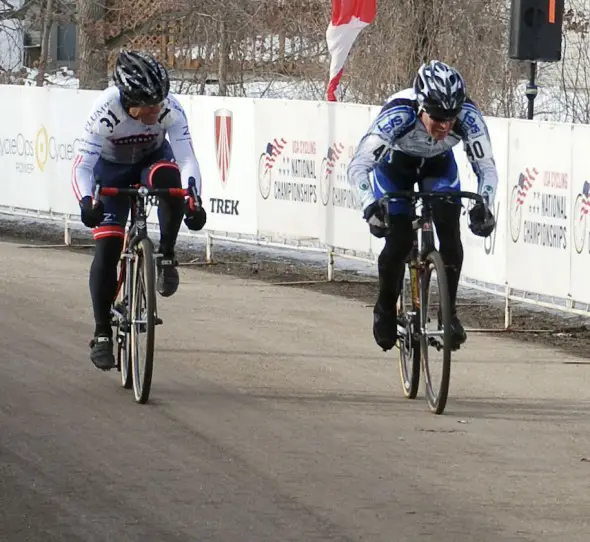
274 418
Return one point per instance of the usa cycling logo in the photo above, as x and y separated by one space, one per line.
580 218
517 200
223 142
327 170
266 162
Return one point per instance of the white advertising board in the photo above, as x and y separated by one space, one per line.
578 213
22 178
291 142
539 185
345 226
221 130
485 259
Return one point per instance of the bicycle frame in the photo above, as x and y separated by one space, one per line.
137 229
423 222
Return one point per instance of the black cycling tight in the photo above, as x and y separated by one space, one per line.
103 271
399 243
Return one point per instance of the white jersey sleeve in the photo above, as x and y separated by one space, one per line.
90 147
478 147
182 146
395 120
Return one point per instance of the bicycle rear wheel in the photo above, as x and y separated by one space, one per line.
435 308
409 348
143 310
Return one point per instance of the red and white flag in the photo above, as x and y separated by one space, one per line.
349 17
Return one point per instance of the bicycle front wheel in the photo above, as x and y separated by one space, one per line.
435 309
123 331
143 310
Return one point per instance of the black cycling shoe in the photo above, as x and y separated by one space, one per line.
385 327
457 332
101 352
168 279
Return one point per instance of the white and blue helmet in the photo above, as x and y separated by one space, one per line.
440 90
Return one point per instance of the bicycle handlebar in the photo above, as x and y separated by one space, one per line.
414 196
144 191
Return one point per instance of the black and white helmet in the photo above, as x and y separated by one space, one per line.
141 79
440 89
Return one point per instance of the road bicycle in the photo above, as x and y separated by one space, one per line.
134 312
420 330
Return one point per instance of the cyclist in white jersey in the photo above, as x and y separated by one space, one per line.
123 143
411 141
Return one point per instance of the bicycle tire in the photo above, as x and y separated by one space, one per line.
436 400
123 334
143 310
409 348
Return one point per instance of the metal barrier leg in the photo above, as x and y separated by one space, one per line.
209 248
507 308
330 264
67 233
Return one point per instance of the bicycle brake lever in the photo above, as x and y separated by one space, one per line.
96 196
193 194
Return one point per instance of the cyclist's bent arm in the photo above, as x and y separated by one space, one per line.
478 147
83 168
396 118
90 147
182 146
372 149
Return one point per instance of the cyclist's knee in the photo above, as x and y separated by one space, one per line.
162 174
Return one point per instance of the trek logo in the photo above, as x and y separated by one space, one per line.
223 142
224 206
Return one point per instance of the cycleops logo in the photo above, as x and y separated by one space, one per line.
37 152
544 200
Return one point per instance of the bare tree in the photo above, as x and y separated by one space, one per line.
47 25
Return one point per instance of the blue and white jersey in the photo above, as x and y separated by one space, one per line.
399 128
111 134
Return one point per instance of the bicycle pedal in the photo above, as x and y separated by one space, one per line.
158 321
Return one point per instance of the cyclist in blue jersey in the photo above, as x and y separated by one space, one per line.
411 141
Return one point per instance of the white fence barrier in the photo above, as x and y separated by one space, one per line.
274 171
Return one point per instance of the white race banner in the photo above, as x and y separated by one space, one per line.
291 141
539 185
57 144
222 134
345 226
578 213
485 259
